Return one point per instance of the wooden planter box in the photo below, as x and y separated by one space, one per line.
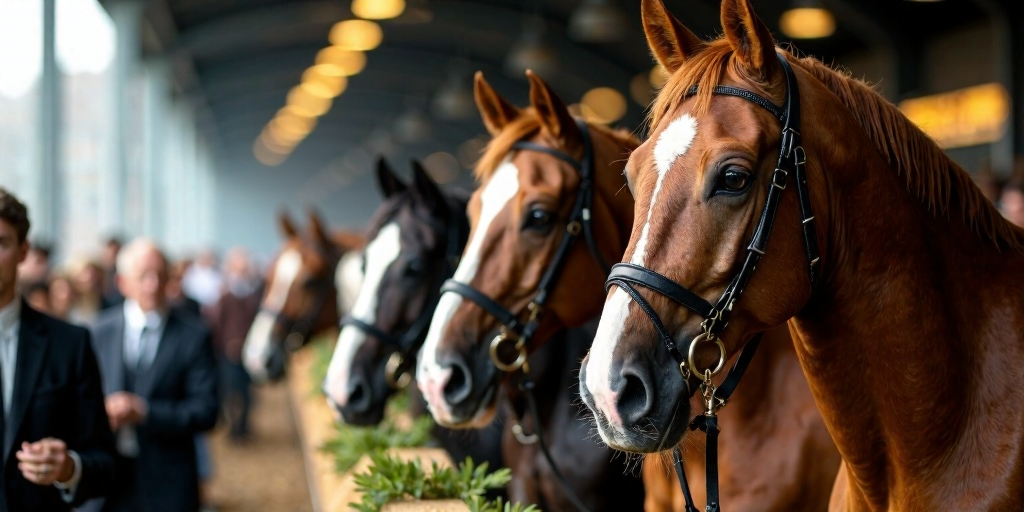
330 491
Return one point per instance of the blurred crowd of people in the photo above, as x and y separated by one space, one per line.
222 296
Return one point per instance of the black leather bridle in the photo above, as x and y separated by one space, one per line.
515 331
397 369
716 316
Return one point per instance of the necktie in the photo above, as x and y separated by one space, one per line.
141 360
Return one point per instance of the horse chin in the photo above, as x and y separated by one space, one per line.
475 415
369 418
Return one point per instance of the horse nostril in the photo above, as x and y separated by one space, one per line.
459 385
634 400
358 395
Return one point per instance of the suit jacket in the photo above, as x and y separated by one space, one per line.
180 387
57 393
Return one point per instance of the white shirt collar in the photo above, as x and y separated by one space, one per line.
10 315
135 319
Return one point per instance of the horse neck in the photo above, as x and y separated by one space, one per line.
911 340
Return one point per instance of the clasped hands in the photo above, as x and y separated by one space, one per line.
125 408
45 461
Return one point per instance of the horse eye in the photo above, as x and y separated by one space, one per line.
538 218
414 268
734 179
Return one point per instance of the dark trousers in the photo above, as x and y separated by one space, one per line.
236 397
125 496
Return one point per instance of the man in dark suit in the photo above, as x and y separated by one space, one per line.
160 379
57 448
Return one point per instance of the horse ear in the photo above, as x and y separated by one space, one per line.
317 230
284 221
750 39
387 181
428 191
670 42
496 111
553 114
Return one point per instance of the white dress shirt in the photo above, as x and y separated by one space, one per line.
139 352
10 327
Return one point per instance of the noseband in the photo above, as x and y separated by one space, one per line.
397 369
716 316
513 330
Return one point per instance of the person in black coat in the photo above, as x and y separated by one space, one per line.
160 379
57 449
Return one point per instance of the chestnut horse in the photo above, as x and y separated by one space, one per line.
902 281
414 241
308 285
468 395
760 447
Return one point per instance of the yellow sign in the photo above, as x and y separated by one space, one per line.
965 117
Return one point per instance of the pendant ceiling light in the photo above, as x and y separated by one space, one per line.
598 21
807 19
412 127
378 9
531 51
454 101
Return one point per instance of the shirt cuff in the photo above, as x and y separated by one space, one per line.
68 489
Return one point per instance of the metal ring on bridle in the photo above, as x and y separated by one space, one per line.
393 374
721 354
504 336
574 228
294 341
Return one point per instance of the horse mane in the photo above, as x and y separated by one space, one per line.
526 125
346 240
938 182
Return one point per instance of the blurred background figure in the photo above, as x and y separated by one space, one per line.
202 280
1011 202
62 296
229 319
108 263
176 296
36 267
87 284
37 294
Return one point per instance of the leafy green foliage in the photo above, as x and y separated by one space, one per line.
351 442
390 479
323 350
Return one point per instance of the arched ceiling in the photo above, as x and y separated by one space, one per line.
237 59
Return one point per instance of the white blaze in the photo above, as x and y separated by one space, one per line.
256 350
381 252
348 278
502 187
674 142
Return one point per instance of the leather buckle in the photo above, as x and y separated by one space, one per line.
779 179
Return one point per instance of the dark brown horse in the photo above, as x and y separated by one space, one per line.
796 192
470 395
414 240
306 285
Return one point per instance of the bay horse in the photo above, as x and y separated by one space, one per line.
899 280
414 241
760 447
309 285
469 393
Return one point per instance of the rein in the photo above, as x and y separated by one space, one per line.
519 333
397 369
716 316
